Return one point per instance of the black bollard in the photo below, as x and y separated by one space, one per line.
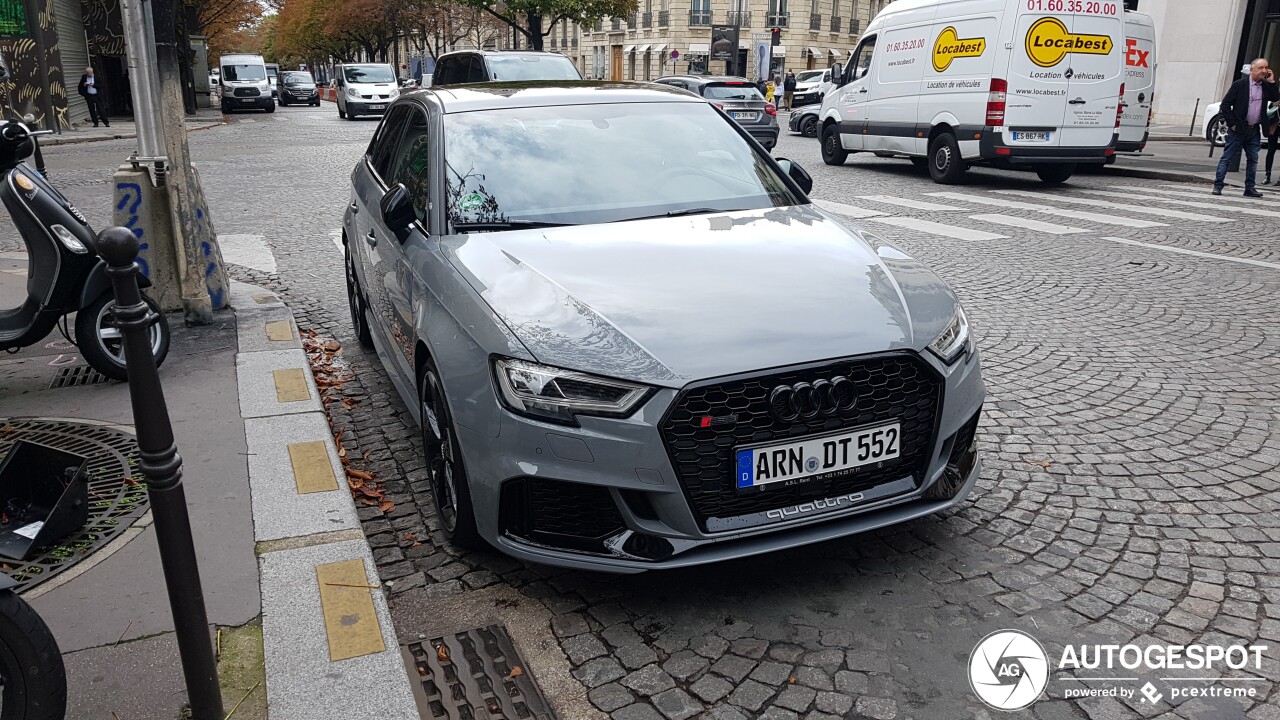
162 468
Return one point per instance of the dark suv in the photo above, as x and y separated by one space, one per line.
298 87
477 66
738 98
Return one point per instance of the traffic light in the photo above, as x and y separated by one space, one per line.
776 37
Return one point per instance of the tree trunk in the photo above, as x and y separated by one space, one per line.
205 286
535 31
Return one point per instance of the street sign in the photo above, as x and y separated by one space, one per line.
675 54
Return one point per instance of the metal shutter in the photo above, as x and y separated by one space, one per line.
74 49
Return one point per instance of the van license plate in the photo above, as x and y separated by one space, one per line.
1031 135
377 107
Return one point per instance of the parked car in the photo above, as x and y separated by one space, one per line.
676 361
365 89
1008 83
244 83
805 121
478 66
298 87
273 74
1139 81
738 98
1214 125
811 86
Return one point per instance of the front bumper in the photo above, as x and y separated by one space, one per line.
633 499
301 96
806 98
793 123
367 107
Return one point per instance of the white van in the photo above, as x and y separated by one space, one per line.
245 83
365 89
949 83
1139 81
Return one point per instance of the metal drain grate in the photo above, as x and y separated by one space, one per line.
478 675
117 496
76 376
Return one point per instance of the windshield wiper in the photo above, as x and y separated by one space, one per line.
506 225
675 213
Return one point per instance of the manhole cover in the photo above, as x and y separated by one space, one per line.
117 496
476 674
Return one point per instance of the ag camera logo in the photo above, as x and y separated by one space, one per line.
1008 670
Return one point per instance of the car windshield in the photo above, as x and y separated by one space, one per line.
732 92
368 74
532 67
244 73
808 76
298 80
546 164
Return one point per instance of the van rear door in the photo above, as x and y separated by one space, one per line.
1096 69
1139 76
1035 103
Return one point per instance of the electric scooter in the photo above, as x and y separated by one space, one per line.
64 273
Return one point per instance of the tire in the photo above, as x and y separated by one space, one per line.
284 103
35 681
1218 131
946 167
270 108
351 115
809 126
342 114
356 304
832 152
1055 174
106 355
226 109
450 493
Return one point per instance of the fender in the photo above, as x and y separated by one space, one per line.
97 283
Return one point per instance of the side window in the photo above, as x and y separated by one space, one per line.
477 73
413 163
861 61
385 142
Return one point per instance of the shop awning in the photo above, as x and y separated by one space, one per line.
643 49
814 52
837 54
658 49
629 49
699 48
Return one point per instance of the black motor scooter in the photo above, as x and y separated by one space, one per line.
64 273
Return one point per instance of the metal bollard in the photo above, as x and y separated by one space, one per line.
162 467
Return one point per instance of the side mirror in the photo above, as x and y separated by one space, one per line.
837 74
397 209
796 173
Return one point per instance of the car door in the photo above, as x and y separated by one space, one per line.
855 94
410 166
371 184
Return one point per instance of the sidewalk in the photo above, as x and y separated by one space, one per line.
1182 162
123 128
290 586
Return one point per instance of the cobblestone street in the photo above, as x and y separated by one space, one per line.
1130 440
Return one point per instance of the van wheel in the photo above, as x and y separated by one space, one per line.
270 108
1055 174
946 167
832 152
342 114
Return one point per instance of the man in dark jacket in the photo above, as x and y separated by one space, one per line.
789 89
93 96
1245 108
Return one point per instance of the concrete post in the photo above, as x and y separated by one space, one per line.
143 208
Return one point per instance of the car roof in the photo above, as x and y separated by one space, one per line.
543 93
706 79
514 53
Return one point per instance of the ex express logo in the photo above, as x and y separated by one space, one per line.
1133 57
1049 41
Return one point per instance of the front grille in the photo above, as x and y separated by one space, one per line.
893 387
560 514
247 92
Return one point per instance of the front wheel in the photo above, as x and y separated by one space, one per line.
833 153
356 304
1055 174
1218 131
35 682
102 343
270 108
342 114
809 126
450 493
946 167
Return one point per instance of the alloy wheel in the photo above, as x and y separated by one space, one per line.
437 440
111 339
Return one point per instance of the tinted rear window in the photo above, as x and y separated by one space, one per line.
723 91
532 67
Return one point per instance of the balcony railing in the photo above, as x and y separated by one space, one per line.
778 20
853 26
741 18
575 43
815 22
600 26
837 22
554 42
699 18
633 21
664 18
646 20
615 24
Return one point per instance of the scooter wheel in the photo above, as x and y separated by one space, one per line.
102 345
35 683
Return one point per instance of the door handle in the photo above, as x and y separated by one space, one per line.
863 90
355 208
371 239
1077 101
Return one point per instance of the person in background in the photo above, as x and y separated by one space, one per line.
1245 108
94 97
769 89
1272 125
789 89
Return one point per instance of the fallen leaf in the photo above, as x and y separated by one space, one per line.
342 452
422 671
516 672
352 472
333 346
410 537
1040 463
792 680
442 654
386 506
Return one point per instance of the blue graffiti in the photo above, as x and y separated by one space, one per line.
215 294
136 190
124 199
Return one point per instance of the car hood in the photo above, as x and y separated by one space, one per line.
671 300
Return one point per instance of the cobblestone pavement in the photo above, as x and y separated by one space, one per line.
1132 460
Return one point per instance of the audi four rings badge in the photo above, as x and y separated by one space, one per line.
808 400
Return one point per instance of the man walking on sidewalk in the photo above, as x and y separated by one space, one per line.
1244 107
789 89
94 98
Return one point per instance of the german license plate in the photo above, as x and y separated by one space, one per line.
1031 135
739 115
816 458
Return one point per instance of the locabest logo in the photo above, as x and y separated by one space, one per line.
1049 41
950 46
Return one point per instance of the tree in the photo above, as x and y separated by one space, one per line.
529 17
225 22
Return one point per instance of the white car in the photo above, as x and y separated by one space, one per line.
810 86
1214 127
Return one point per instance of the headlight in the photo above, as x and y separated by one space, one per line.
395 93
71 242
549 393
954 340
352 93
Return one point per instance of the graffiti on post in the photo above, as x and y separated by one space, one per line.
130 202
